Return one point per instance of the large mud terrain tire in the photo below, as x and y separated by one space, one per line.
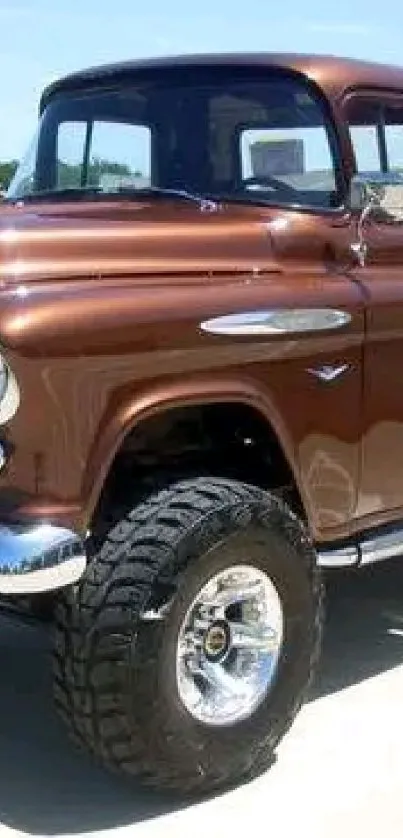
186 651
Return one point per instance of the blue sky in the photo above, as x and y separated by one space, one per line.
43 39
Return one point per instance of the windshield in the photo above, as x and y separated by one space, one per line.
258 136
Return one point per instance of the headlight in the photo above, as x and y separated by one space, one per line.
9 392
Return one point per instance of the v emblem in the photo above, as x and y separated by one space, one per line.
329 372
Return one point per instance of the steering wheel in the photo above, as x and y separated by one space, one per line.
271 182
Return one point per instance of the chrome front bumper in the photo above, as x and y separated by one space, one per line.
39 559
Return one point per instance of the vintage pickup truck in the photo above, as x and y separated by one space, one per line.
201 402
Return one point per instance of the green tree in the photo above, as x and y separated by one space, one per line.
70 176
98 167
7 171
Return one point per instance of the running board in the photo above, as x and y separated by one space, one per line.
373 547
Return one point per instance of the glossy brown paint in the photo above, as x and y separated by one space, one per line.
381 490
97 359
381 487
100 312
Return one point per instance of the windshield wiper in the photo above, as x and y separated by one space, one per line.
85 192
73 192
159 191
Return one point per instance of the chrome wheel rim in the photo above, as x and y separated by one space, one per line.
229 645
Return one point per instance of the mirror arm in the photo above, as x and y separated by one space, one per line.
374 192
360 247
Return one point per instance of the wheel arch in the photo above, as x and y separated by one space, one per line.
159 400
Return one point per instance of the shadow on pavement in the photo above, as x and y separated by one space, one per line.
364 626
47 788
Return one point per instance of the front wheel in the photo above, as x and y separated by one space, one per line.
187 649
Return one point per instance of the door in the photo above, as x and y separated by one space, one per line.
376 129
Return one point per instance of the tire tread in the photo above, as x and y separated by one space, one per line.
112 596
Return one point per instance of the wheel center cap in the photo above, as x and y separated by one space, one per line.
217 641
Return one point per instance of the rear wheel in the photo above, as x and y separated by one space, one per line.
186 651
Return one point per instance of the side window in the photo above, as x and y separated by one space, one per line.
364 118
376 131
393 120
104 154
366 147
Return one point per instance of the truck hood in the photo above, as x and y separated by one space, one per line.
88 240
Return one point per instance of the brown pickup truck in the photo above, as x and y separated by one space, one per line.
201 402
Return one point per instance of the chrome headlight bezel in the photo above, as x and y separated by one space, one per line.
9 392
4 374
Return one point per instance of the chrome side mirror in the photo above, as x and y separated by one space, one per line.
379 194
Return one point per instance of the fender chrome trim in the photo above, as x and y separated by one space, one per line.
39 559
277 321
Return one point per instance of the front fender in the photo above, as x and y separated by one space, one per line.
183 392
138 348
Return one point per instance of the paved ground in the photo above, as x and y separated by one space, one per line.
339 772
